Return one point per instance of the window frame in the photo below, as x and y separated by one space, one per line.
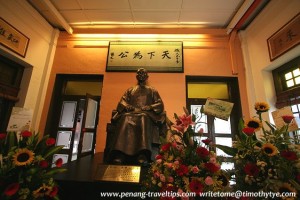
233 96
286 96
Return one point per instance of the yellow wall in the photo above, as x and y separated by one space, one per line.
39 54
209 56
260 85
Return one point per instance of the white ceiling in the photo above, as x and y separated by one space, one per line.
72 14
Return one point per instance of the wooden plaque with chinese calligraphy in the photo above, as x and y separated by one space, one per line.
285 38
153 56
12 38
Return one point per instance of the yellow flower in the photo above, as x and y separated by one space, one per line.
23 157
254 123
287 188
261 107
42 191
269 149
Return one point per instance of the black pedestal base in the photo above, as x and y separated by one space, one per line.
80 183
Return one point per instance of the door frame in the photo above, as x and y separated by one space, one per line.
60 84
234 96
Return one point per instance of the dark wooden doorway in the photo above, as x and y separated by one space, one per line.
73 114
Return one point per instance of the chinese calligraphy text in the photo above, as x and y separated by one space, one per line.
154 56
13 39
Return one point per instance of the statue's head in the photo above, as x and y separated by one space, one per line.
141 75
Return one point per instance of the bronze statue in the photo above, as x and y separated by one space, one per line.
139 118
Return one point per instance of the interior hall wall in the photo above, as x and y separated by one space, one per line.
209 57
260 86
39 56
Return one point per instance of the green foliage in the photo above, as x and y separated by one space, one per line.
228 150
268 163
27 168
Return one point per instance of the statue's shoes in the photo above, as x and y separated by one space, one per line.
118 160
142 160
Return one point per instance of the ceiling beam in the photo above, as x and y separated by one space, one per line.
247 13
239 14
58 16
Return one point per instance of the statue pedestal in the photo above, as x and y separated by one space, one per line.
88 178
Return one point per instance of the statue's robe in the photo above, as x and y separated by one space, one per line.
138 131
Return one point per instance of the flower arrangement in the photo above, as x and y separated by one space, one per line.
26 170
269 163
184 164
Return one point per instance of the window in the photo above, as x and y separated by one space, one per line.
287 83
292 78
287 87
217 130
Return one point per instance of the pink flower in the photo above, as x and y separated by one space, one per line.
156 174
213 160
180 128
170 179
201 130
179 147
162 178
208 180
176 162
174 144
168 165
158 161
178 121
195 169
183 122
186 120
182 194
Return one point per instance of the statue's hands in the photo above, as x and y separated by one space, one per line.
146 108
129 108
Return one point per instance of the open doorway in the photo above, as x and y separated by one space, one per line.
219 131
73 115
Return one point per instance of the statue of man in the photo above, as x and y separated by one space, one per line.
140 113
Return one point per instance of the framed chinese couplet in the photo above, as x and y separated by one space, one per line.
153 56
285 38
13 39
